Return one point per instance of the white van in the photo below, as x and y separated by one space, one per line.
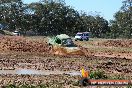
82 36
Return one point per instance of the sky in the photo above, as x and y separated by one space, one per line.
105 8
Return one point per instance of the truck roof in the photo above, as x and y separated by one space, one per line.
62 36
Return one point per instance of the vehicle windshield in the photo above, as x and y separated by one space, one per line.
78 34
67 42
86 34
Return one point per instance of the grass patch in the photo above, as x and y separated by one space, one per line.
99 74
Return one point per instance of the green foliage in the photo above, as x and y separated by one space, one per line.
49 18
98 75
121 27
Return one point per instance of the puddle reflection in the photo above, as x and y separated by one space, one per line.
38 72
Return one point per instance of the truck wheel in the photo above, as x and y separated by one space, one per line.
87 39
75 39
81 39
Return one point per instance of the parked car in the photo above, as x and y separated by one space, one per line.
82 36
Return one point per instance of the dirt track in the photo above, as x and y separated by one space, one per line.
113 67
12 43
117 43
108 48
11 59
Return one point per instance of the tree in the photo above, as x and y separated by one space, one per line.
123 20
55 18
97 25
50 17
12 13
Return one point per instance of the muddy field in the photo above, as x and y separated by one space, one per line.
32 55
119 48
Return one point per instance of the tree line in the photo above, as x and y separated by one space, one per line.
50 17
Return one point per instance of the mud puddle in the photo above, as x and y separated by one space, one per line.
38 72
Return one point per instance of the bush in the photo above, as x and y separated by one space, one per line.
98 75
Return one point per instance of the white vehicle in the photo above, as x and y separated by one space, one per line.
16 33
82 36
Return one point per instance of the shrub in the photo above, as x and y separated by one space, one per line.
98 75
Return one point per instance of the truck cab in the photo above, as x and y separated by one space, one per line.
62 40
63 45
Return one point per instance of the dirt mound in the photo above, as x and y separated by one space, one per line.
14 43
117 43
57 50
21 44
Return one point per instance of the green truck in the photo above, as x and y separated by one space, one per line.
63 45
